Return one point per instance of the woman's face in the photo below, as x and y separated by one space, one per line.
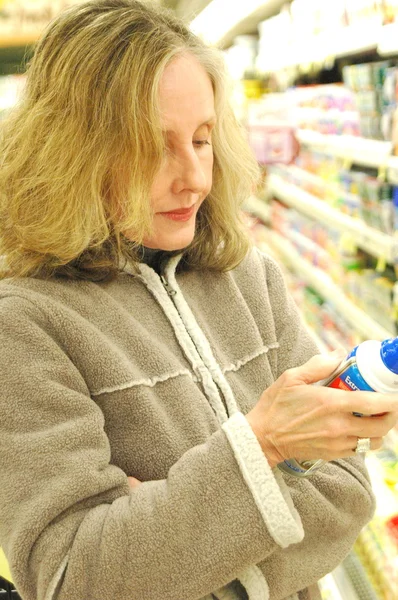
184 180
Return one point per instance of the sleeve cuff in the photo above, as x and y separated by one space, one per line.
268 488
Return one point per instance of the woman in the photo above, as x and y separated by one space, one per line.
154 369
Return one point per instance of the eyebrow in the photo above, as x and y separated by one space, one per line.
211 121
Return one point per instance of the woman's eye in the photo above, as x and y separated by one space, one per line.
201 143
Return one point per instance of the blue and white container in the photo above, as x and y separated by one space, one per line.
371 366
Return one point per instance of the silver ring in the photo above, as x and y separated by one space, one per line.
363 445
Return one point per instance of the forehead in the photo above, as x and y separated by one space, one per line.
186 97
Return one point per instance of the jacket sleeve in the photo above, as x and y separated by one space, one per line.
337 501
70 525
334 504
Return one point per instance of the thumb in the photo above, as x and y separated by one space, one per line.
320 366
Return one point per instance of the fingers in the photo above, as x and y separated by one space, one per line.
371 427
365 403
346 447
317 368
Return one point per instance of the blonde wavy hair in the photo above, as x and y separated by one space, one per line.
86 140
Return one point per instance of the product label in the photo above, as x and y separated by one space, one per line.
346 377
350 379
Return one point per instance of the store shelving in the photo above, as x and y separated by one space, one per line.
349 581
259 208
374 242
388 42
18 40
325 286
221 21
352 580
386 500
337 586
337 43
327 45
353 149
264 247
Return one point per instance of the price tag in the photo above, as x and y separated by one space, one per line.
347 163
393 173
381 265
394 252
348 243
382 174
395 301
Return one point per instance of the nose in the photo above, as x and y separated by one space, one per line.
189 173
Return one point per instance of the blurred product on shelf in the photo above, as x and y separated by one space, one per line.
373 565
323 318
29 17
376 92
366 105
271 130
306 30
241 57
360 113
275 36
357 192
377 553
377 545
328 109
351 269
390 11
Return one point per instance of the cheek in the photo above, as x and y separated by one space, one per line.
208 171
159 186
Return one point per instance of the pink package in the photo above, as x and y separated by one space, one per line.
273 143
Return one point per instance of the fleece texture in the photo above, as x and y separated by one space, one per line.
101 381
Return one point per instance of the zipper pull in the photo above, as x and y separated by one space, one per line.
167 287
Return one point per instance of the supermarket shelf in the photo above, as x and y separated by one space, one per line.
336 43
351 571
375 242
339 585
372 153
259 208
388 44
320 343
18 40
219 26
329 588
354 39
323 284
386 500
392 170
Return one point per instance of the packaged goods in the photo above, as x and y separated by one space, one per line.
390 11
371 366
270 131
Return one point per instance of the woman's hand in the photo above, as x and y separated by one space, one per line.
134 482
294 419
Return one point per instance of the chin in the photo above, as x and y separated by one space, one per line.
169 243
170 246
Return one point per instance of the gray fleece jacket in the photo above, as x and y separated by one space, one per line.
151 379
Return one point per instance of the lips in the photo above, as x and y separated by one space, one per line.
179 211
179 214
